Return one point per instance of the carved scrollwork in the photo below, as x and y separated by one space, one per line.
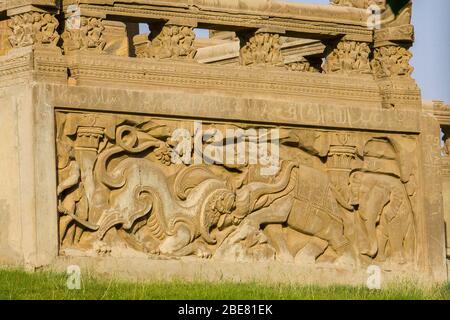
33 28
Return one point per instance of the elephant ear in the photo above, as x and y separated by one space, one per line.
191 177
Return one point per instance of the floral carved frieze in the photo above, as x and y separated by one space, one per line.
348 57
33 28
168 189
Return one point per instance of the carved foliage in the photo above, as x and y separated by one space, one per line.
167 42
348 57
392 61
260 49
89 36
33 28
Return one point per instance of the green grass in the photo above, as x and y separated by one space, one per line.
16 284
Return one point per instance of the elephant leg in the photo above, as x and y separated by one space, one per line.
370 210
179 240
277 212
277 239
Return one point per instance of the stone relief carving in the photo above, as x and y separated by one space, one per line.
340 198
33 28
88 37
392 61
167 42
348 57
260 48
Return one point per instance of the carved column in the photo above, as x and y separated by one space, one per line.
339 165
347 57
260 48
167 41
33 28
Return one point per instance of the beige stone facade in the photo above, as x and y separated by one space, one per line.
119 146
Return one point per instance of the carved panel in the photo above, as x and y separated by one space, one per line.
392 61
33 28
143 186
88 36
347 57
167 42
260 48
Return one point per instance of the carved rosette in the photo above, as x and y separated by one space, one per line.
347 57
167 42
89 35
392 61
260 49
33 28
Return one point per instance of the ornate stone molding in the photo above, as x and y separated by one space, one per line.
392 61
347 57
88 36
167 41
260 48
33 28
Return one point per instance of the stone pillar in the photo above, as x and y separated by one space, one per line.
260 48
167 41
445 172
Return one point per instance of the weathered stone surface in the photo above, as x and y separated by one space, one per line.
241 148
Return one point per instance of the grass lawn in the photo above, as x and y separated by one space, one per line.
17 284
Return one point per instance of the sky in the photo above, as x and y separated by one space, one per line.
431 50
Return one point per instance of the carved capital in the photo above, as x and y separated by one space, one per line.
88 34
391 61
347 57
167 42
260 48
33 28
